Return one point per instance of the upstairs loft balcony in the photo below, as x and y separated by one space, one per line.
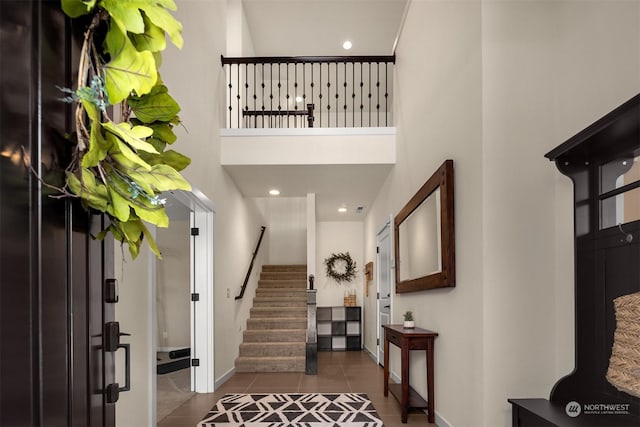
309 91
321 125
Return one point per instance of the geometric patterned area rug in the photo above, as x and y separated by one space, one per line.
293 409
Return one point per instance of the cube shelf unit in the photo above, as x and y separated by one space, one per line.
339 328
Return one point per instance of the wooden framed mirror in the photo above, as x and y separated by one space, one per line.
424 236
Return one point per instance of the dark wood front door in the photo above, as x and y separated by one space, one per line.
54 367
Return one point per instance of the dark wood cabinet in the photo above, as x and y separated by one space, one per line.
603 161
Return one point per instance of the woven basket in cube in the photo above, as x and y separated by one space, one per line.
624 365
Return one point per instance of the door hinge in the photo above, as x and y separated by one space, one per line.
377 295
377 249
195 297
195 231
377 341
195 362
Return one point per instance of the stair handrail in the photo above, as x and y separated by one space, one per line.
253 258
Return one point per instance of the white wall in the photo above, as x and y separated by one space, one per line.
501 83
336 237
549 70
286 221
444 121
172 286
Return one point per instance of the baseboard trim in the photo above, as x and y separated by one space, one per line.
371 354
441 422
224 378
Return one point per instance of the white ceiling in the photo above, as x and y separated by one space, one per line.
318 28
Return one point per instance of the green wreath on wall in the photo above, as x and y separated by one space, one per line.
340 267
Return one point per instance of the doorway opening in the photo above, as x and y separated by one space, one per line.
183 314
383 279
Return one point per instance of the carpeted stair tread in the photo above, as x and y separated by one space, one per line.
274 292
270 364
272 349
287 268
275 312
283 283
280 301
291 275
274 335
277 323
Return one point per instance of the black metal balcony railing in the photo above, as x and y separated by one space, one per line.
309 91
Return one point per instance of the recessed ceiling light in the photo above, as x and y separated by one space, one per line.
298 99
274 192
347 45
342 210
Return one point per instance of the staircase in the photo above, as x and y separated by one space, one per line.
274 340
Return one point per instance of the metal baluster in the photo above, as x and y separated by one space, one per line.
230 96
386 94
287 97
337 89
328 94
246 89
238 94
378 93
279 96
353 94
345 94
369 94
295 92
361 94
255 118
320 94
263 87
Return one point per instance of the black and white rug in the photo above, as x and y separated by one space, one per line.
293 409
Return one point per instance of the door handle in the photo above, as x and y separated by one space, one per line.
112 391
112 336
387 306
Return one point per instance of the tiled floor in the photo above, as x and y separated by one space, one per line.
337 372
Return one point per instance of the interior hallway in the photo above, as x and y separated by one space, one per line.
349 371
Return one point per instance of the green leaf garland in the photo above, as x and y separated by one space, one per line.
121 168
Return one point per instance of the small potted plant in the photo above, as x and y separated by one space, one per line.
408 320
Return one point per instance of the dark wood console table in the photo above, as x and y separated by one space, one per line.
406 340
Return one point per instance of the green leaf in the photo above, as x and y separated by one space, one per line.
120 205
157 105
152 39
157 144
150 241
131 135
160 178
121 148
75 8
163 132
171 158
128 70
132 230
163 19
90 191
154 216
127 15
91 109
98 147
